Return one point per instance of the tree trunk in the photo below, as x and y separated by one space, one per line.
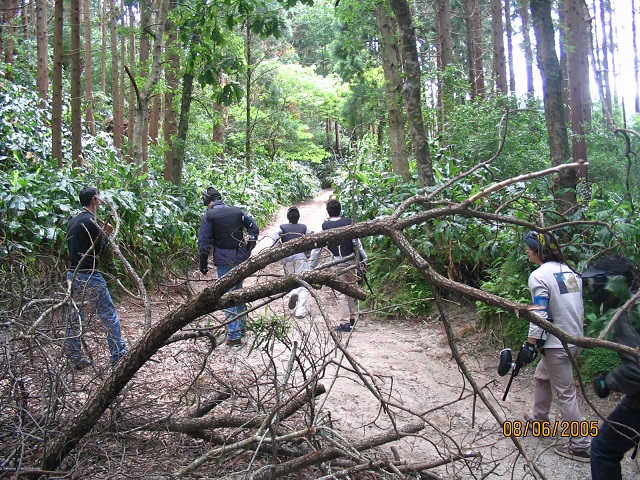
104 21
606 76
509 32
56 107
43 49
183 128
393 93
115 79
565 182
248 151
577 21
220 119
146 24
131 131
412 91
170 125
523 9
76 84
499 59
473 21
9 11
143 94
444 59
88 70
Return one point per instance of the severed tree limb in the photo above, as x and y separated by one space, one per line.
127 266
331 453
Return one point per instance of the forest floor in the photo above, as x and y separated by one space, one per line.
412 363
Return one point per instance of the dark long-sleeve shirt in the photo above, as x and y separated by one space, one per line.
82 234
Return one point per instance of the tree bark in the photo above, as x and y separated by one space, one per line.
43 49
576 18
104 20
76 84
248 148
412 91
117 126
499 58
393 93
566 181
183 128
523 9
444 59
88 70
509 32
143 95
473 22
56 107
170 123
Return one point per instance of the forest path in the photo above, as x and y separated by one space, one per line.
411 363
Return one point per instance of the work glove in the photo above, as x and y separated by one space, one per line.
528 354
600 386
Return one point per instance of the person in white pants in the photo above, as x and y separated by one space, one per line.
296 263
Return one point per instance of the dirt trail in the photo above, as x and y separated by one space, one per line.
411 362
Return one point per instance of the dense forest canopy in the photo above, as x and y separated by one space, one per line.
447 128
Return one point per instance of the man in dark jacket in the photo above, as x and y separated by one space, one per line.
296 263
223 228
608 280
86 239
340 251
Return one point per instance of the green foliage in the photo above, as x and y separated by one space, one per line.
596 361
24 131
471 132
506 278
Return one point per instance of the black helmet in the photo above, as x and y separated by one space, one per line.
210 195
609 280
541 243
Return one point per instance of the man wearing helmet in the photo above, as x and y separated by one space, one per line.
223 228
608 280
296 263
557 292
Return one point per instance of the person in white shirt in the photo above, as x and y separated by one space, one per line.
557 292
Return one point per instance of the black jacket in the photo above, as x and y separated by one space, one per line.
82 234
223 228
626 377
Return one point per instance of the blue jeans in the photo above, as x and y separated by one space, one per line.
609 447
91 288
234 327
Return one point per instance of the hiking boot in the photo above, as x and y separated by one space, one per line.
81 364
567 450
293 301
529 418
237 343
344 327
